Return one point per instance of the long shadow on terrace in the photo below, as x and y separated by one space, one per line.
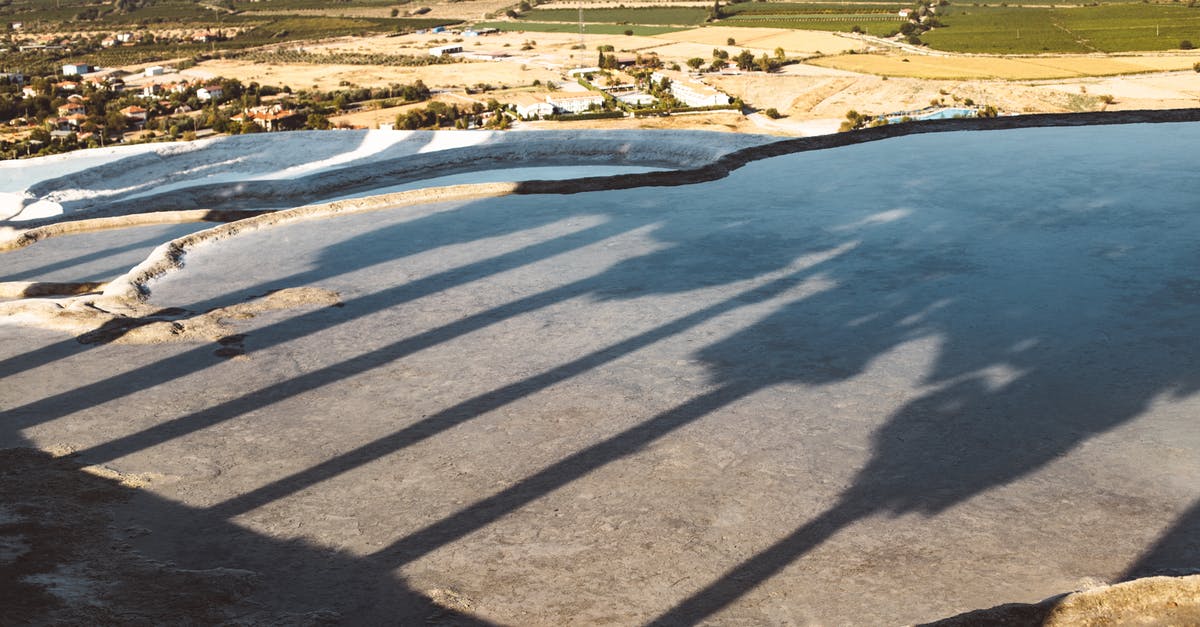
1058 316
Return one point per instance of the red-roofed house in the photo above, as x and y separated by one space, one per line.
271 118
134 114
71 108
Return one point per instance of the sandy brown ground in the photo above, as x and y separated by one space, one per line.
1009 68
328 77
819 97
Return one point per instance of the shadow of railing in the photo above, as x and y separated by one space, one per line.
1088 321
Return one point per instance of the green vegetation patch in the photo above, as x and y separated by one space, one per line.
873 17
877 27
283 5
1103 28
1127 27
1000 30
751 9
292 56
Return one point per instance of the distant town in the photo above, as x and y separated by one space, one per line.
740 67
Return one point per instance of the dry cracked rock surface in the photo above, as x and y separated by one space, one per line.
880 383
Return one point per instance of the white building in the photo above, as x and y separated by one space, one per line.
441 50
690 92
76 69
531 105
209 92
637 99
575 104
155 70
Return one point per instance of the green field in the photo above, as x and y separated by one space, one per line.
873 17
747 9
1072 26
590 29
1104 28
284 5
87 15
647 16
880 28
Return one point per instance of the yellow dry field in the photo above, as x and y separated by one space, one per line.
767 38
804 42
510 42
1093 66
326 77
689 50
965 68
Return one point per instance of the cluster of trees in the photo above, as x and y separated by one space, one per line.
338 100
174 115
105 123
921 18
715 12
744 60
441 115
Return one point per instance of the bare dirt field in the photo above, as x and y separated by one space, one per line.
817 97
332 76
1013 68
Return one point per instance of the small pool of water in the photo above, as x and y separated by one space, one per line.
941 114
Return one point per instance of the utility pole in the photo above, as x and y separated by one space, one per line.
581 46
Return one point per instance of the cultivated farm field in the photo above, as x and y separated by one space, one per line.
1104 28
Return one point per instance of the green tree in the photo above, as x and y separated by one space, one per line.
115 121
744 60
